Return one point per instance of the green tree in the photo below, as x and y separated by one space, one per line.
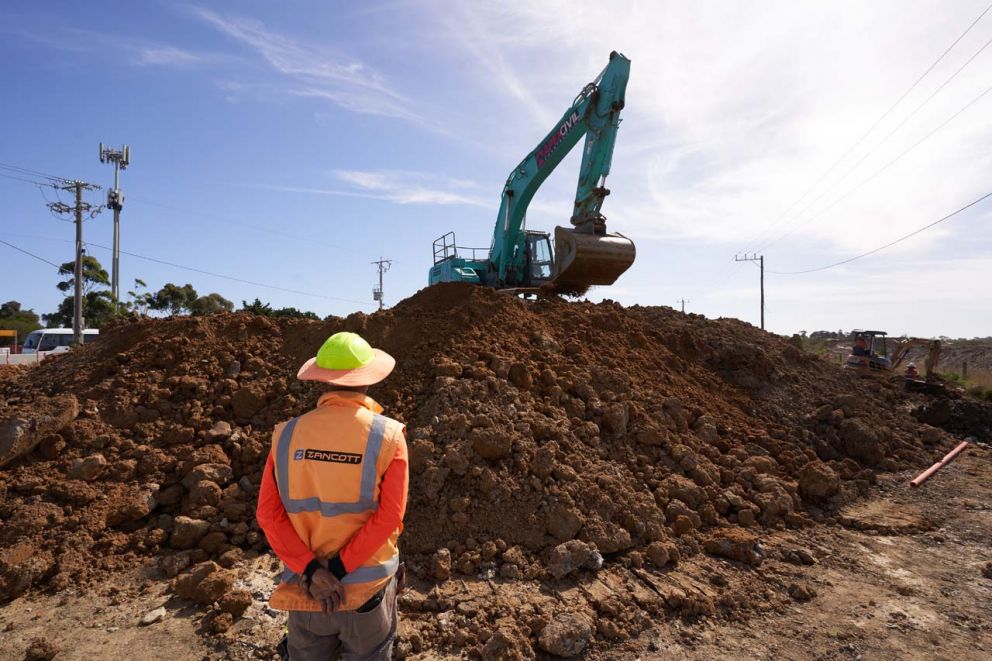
98 305
12 317
140 300
257 307
174 298
266 310
293 312
210 304
93 274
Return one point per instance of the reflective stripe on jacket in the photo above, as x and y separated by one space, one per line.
328 466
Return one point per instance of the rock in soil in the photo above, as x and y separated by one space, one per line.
151 617
567 635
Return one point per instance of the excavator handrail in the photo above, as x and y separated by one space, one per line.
444 249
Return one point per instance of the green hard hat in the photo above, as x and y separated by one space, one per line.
344 351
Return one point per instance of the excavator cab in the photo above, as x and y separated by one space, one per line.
540 258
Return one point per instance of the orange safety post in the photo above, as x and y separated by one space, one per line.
948 458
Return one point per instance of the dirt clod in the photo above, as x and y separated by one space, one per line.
801 591
88 468
41 649
572 556
818 481
735 544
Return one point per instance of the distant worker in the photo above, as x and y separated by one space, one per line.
331 504
912 372
861 346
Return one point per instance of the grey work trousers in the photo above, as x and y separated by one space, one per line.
348 635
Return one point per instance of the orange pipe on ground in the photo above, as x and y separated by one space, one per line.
948 458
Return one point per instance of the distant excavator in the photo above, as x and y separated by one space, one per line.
870 354
522 260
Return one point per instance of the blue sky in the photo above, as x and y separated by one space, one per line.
292 144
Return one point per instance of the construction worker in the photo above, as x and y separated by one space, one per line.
331 504
861 346
912 372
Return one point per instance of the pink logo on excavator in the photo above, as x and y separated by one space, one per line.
548 148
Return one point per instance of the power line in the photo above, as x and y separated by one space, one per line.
887 245
230 221
30 254
204 214
885 139
228 277
189 268
31 172
27 181
860 140
877 172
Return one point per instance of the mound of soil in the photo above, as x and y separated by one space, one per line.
545 439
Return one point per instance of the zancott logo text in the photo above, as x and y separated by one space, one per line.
328 455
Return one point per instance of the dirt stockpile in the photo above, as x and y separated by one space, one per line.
545 439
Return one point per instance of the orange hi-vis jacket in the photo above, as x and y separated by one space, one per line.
328 465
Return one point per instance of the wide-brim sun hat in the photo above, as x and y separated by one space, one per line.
345 359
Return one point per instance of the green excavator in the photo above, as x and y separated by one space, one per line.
523 260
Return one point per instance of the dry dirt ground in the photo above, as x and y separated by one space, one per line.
907 575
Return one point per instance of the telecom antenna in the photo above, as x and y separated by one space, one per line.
121 158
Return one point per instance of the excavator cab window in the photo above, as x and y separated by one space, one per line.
539 256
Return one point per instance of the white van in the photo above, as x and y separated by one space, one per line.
55 340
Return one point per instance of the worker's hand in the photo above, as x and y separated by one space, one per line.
326 589
401 578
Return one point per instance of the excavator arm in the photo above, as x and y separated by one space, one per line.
933 353
587 255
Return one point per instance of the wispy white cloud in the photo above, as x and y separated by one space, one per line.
483 37
167 56
129 50
344 81
399 187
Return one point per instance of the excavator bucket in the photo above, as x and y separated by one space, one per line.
583 260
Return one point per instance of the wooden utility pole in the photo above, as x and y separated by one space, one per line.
77 304
77 210
383 265
682 301
761 261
